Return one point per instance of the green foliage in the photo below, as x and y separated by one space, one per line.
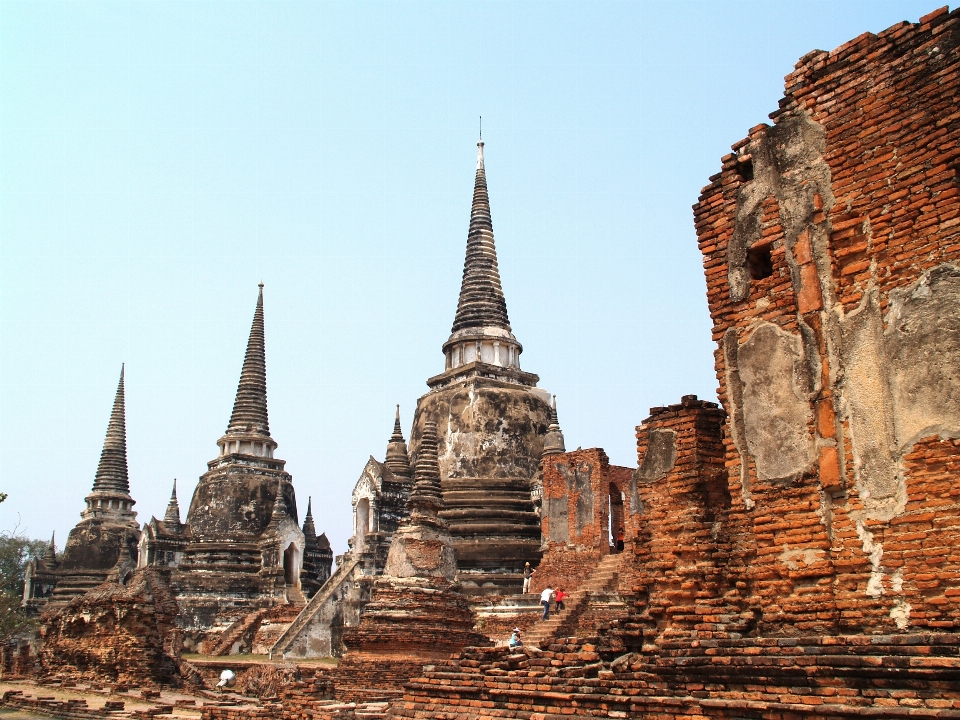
15 551
3 496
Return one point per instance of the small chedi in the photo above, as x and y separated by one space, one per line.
787 552
105 540
416 614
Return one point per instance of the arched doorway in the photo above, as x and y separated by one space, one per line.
362 518
615 515
291 557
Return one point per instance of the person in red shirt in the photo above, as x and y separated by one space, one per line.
559 599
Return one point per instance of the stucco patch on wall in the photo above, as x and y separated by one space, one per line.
776 409
922 340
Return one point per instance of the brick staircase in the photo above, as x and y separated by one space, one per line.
598 584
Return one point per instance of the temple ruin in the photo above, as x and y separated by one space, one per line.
788 551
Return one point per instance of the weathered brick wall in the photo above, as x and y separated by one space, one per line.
577 490
681 569
831 244
122 633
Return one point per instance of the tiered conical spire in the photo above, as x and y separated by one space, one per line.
426 497
173 507
553 443
280 510
481 301
250 408
112 473
50 557
309 529
397 459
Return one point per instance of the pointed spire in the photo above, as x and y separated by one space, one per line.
280 510
250 408
553 443
173 507
309 529
426 497
112 470
481 301
397 459
50 557
397 430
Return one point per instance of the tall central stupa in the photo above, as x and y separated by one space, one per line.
491 420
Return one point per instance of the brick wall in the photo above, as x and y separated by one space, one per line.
831 248
578 488
682 560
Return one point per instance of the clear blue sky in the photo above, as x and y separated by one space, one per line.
158 160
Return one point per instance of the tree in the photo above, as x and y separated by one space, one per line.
16 551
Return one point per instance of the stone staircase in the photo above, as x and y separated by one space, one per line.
232 639
345 573
295 596
598 585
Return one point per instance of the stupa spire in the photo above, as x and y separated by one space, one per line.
249 415
397 459
426 497
280 510
553 443
309 529
112 474
50 557
481 301
173 507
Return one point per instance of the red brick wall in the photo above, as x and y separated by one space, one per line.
566 478
854 193
682 559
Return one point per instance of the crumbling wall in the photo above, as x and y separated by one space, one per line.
124 633
683 569
831 253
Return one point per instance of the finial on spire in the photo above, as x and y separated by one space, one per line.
397 430
426 497
280 510
309 529
481 127
50 557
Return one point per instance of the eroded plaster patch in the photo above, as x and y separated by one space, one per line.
874 551
809 556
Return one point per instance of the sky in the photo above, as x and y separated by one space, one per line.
160 159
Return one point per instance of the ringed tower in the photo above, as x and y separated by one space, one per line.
490 419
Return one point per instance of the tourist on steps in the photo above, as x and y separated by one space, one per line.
621 536
560 596
527 574
545 598
515 640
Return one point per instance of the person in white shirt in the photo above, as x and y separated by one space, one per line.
527 575
545 598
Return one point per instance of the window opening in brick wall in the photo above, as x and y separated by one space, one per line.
745 168
760 262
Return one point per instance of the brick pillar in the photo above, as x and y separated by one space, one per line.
682 555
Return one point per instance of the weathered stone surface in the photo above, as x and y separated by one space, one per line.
491 441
